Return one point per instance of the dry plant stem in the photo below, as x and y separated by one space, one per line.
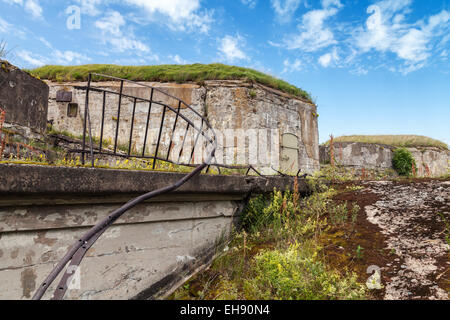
2 120
332 150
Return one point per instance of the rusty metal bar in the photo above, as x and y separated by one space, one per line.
195 143
103 120
132 127
184 140
148 121
118 116
173 130
159 137
85 118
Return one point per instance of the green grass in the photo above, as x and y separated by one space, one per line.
277 255
406 141
168 73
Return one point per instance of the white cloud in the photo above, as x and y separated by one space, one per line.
229 48
296 65
329 3
181 15
386 31
327 59
69 57
6 27
177 59
56 57
285 9
31 59
111 24
45 42
90 7
359 70
250 3
314 34
31 6
111 28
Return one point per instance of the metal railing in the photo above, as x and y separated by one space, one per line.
183 117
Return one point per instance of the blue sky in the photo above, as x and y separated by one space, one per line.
374 67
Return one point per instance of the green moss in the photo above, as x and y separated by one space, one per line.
168 73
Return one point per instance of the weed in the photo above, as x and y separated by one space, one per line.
277 254
297 274
359 252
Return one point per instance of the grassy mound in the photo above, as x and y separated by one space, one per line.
168 73
405 141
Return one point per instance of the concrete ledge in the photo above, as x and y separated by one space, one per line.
31 179
146 254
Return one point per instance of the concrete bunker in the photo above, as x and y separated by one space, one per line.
236 110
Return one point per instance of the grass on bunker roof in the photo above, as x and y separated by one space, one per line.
394 140
168 73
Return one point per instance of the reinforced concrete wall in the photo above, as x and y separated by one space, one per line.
23 97
430 161
146 254
236 105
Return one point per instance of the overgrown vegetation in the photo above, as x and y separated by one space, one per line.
403 162
405 141
277 254
168 73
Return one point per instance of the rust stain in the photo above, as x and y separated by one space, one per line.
29 257
41 238
14 253
28 282
308 128
242 105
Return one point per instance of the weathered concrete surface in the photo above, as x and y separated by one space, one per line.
413 217
23 97
376 156
433 160
226 105
44 210
29 179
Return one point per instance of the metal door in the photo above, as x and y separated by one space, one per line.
289 153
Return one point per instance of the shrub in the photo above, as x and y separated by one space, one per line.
296 274
403 161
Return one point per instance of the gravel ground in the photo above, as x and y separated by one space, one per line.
407 214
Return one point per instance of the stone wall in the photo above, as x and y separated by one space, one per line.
23 97
379 157
147 253
226 104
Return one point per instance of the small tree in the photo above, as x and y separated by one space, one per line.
403 162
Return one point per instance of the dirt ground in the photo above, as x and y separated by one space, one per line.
402 230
